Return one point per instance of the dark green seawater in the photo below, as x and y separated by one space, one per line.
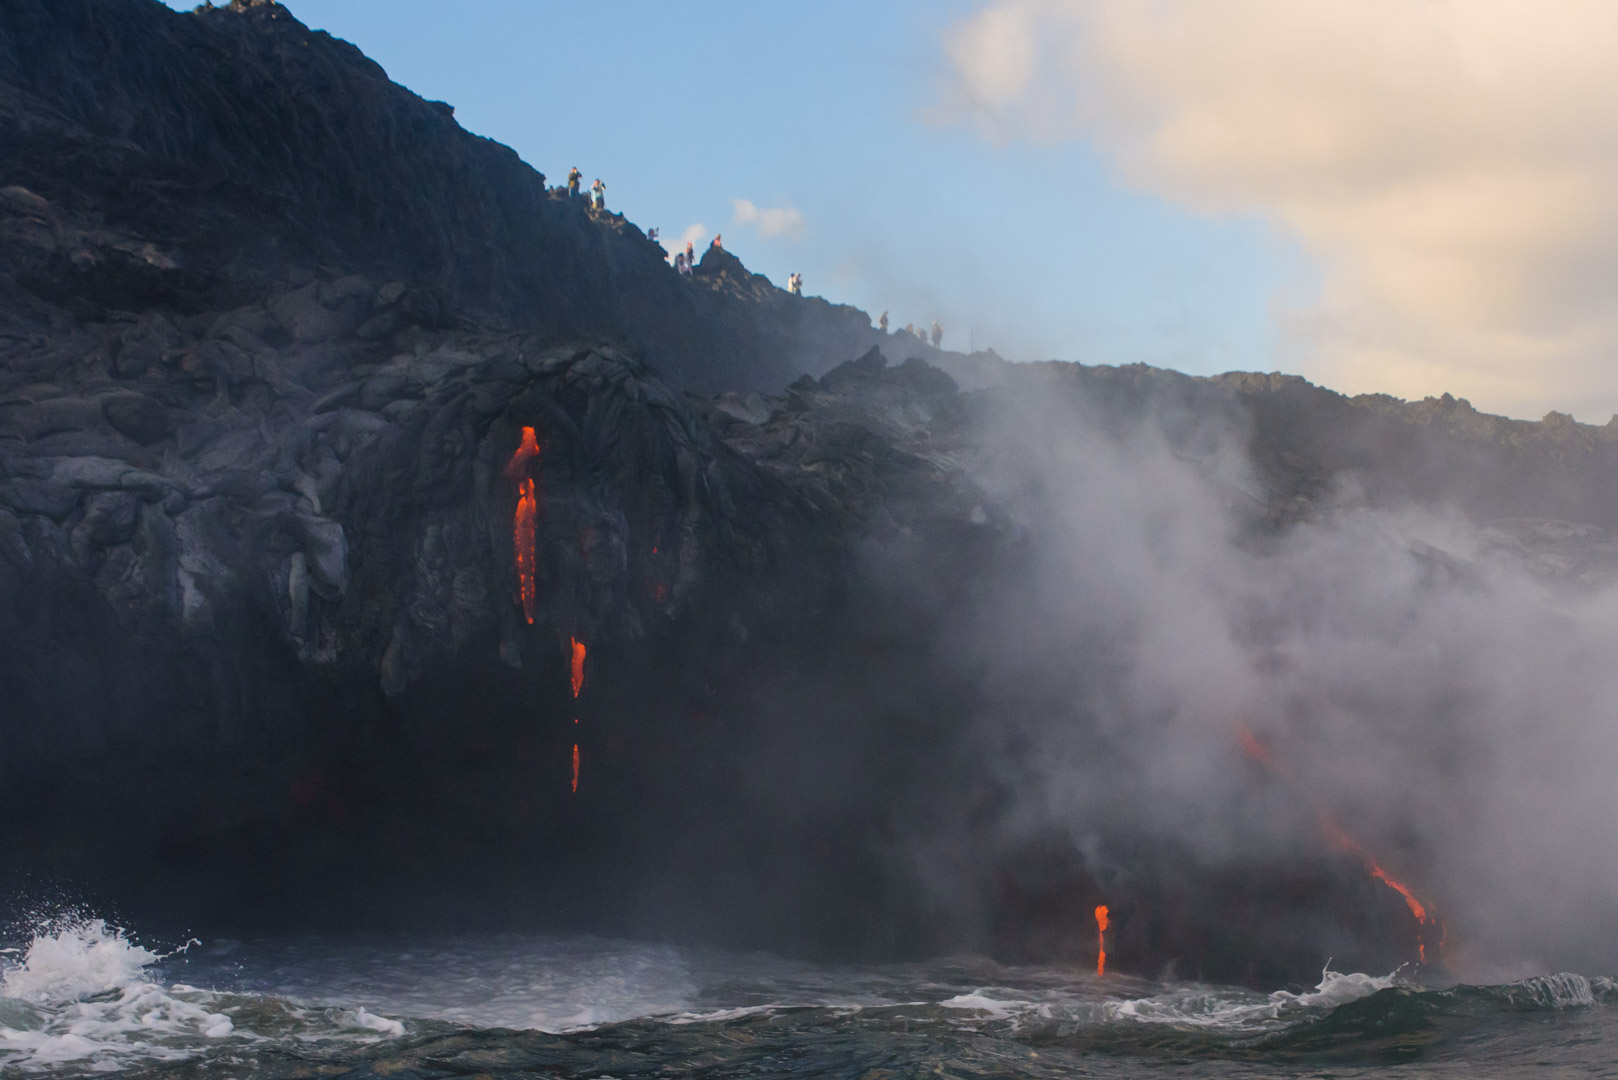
83 1000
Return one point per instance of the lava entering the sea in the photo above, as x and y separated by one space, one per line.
577 667
1339 838
527 513
1101 939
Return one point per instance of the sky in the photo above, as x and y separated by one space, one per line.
1405 196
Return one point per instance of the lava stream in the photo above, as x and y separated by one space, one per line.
1339 837
523 543
529 448
523 521
575 768
1101 939
577 668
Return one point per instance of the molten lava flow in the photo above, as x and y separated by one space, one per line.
528 449
578 665
1101 939
522 538
523 544
1337 836
575 768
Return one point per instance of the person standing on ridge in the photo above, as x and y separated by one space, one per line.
717 238
938 334
795 284
651 234
573 178
690 255
598 195
882 323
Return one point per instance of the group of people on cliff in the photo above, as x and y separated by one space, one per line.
685 262
598 190
915 331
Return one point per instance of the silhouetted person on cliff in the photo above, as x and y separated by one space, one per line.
598 195
938 333
679 264
651 234
690 254
717 245
795 284
573 178
882 323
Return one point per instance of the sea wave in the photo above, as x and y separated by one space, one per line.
80 993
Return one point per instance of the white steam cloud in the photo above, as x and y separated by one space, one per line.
1452 165
1453 707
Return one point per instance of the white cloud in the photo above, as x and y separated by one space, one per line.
1453 164
770 221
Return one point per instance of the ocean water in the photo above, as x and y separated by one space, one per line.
81 998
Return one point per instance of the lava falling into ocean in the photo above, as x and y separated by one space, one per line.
1101 939
1340 838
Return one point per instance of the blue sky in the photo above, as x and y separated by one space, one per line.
1032 248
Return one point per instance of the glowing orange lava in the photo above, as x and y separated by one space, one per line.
523 521
578 665
1101 939
522 540
529 448
1339 837
575 768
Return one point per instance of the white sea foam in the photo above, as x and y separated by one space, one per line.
1237 1011
82 994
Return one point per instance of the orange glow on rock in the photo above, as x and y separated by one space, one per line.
575 768
577 667
523 544
1101 939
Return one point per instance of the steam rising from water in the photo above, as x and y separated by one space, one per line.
1453 709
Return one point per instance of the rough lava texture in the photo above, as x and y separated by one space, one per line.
270 329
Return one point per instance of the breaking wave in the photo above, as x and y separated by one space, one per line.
81 994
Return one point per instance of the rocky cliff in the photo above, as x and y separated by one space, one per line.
287 359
